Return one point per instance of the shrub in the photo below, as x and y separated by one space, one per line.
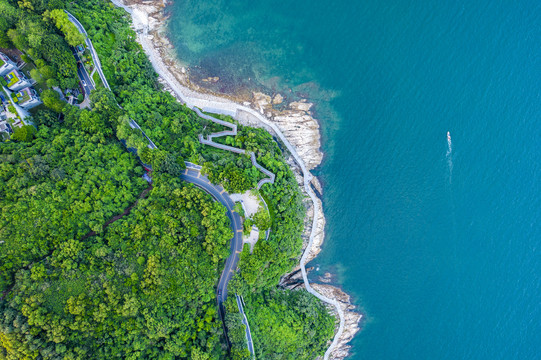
52 83
45 117
4 40
262 219
24 133
51 99
26 58
36 75
238 208
47 71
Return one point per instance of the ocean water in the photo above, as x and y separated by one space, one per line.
439 244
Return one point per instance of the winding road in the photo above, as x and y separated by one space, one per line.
192 174
239 112
233 132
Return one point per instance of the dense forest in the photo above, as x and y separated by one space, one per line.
60 186
30 27
97 263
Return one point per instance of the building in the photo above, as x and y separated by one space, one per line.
3 115
6 65
5 129
16 80
27 98
4 126
20 111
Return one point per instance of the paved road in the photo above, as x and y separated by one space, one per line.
217 192
83 75
192 174
88 42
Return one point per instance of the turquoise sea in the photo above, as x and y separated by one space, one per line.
441 250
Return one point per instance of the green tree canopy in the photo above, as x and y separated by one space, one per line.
24 133
52 100
61 20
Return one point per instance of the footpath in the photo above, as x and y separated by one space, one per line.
217 193
233 132
213 104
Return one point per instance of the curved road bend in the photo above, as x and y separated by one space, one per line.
217 192
192 174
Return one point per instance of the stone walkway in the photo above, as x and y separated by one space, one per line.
233 132
226 107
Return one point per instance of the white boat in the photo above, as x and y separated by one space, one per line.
448 136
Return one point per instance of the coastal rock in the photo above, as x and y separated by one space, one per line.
294 120
211 79
317 185
262 100
297 125
327 278
277 99
352 318
303 132
300 105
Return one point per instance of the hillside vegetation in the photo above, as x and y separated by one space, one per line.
95 263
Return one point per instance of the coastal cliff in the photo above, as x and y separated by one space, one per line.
296 123
294 120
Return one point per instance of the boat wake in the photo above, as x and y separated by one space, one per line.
453 236
449 155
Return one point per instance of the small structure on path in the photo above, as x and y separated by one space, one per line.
252 207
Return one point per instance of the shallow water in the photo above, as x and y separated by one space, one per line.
441 251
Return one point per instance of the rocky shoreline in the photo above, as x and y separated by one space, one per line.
293 119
